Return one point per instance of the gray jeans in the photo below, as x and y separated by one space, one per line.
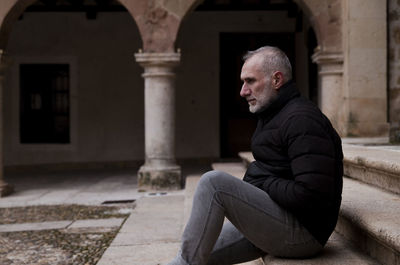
257 225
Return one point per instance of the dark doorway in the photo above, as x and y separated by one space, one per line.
237 124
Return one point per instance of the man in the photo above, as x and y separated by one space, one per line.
288 201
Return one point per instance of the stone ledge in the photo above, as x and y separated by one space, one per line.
370 217
247 158
235 169
376 165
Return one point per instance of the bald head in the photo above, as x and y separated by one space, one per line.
274 59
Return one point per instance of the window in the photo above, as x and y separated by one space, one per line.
44 103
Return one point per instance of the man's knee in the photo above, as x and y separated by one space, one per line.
207 178
215 178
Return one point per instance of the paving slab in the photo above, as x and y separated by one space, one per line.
146 228
88 223
34 226
157 204
148 254
151 234
22 198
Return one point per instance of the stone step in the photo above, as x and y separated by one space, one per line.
247 158
370 217
337 251
375 165
235 169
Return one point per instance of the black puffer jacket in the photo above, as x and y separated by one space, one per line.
299 161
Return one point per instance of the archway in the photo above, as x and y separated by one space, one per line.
213 38
103 106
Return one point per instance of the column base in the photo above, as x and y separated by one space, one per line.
6 189
168 178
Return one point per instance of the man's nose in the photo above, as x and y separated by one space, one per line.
245 91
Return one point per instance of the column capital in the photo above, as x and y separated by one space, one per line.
146 59
331 63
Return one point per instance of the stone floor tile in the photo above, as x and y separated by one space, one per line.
109 222
34 226
148 254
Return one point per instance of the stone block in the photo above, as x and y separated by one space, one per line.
235 169
34 226
367 129
109 222
380 168
168 204
149 228
371 110
155 219
148 254
370 79
367 9
367 33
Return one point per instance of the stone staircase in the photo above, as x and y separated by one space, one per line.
368 229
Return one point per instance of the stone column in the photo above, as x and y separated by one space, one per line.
5 189
160 170
330 87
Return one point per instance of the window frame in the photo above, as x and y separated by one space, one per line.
73 111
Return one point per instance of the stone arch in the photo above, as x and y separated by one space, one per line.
325 17
11 10
9 13
159 20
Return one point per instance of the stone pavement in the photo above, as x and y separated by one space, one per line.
149 236
84 187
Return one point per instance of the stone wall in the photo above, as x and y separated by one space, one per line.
365 68
108 109
107 115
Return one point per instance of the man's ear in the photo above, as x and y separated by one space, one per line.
277 79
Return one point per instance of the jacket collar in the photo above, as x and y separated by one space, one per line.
286 92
